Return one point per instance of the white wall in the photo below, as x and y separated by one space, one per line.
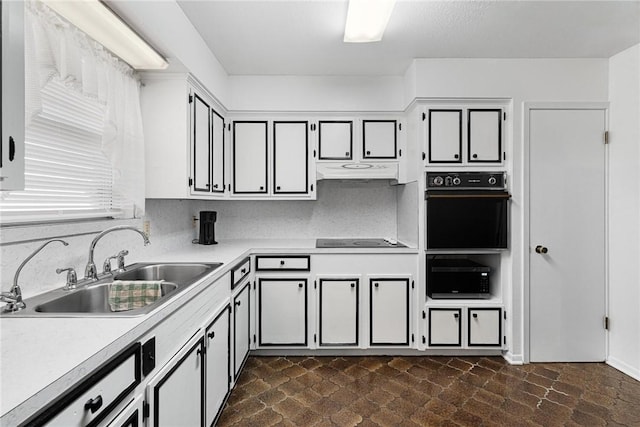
624 211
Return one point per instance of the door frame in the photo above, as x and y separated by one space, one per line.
526 234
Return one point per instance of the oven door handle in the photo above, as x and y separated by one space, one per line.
468 196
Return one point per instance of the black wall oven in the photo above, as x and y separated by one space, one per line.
467 210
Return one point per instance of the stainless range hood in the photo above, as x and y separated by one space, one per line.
366 171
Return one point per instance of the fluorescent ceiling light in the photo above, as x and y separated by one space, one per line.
367 20
105 27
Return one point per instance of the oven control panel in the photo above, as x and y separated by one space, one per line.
466 180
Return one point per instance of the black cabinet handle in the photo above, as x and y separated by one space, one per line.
215 185
199 352
208 185
475 156
368 153
278 187
238 303
346 154
455 156
244 270
211 334
475 315
281 262
93 404
375 284
456 315
261 187
300 285
353 285
12 149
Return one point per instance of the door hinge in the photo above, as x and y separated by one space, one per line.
413 284
505 314
606 322
314 154
254 338
424 340
504 116
190 182
315 337
504 155
606 137
413 338
400 152
424 116
190 98
424 155
315 285
311 187
254 285
229 127
400 127
145 410
424 314
504 340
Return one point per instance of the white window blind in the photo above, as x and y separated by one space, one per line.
66 174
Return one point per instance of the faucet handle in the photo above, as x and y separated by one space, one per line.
120 257
106 266
72 277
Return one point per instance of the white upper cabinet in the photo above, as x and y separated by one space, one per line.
217 153
201 126
12 144
335 140
444 140
379 139
484 135
291 157
250 157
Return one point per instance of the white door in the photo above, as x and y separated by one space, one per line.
335 140
217 365
567 226
379 139
444 136
338 312
282 304
241 319
217 152
249 157
291 157
200 138
389 311
485 136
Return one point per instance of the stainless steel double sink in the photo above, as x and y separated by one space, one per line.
92 299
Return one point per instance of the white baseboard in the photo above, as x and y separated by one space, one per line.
623 367
514 359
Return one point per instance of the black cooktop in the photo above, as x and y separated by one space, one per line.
358 243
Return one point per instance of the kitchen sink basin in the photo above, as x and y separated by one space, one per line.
91 298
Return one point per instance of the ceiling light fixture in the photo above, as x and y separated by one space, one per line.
367 20
100 23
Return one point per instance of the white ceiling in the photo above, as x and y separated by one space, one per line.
304 37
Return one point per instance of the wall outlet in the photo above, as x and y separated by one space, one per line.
147 228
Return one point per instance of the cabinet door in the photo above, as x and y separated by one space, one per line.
485 136
282 307
339 312
290 157
200 143
445 327
176 393
379 139
241 329
335 140
485 327
250 157
389 305
217 152
131 415
217 365
12 143
445 136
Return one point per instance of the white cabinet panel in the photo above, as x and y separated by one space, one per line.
291 157
445 136
485 327
339 312
201 132
217 152
175 394
282 307
445 327
250 157
12 143
389 311
379 139
241 319
335 140
217 365
485 135
131 415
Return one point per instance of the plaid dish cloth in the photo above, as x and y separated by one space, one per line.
128 295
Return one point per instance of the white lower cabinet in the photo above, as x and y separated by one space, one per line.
465 327
485 327
389 311
241 328
217 371
131 415
445 327
282 311
175 395
339 312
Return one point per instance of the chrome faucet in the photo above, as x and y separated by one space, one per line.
91 272
13 298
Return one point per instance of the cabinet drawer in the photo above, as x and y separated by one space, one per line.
91 401
240 271
283 263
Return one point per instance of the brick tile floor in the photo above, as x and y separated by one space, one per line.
429 391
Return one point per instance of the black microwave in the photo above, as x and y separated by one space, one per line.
457 278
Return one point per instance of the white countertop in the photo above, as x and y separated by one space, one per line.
42 357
